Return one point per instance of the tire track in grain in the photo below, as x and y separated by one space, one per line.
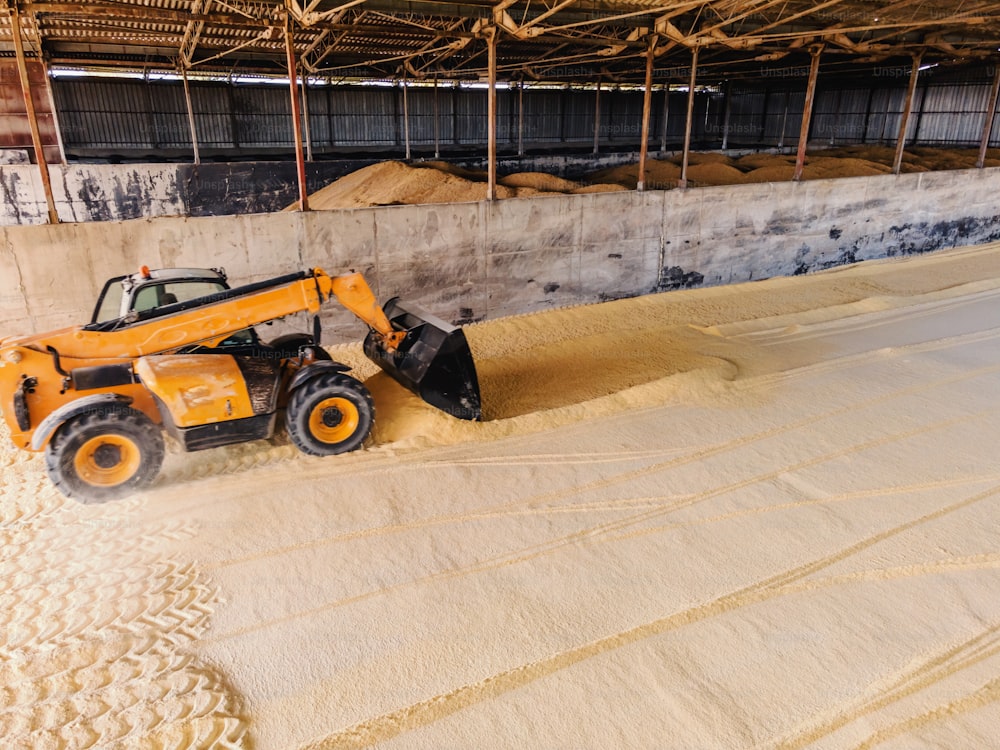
95 626
386 726
865 358
779 335
934 668
985 695
589 534
842 497
546 499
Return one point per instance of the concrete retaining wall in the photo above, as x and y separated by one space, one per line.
474 261
113 192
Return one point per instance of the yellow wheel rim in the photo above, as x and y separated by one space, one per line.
334 420
107 460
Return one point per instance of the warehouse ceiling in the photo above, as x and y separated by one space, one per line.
537 40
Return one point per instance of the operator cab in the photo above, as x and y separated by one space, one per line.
152 292
149 290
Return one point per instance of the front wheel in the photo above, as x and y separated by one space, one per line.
104 454
332 413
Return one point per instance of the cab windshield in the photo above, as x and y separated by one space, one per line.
112 303
151 296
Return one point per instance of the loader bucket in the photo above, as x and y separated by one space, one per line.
433 360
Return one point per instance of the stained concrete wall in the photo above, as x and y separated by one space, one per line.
475 261
113 192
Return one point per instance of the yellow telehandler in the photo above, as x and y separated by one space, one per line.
176 349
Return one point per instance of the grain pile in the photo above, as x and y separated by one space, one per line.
715 173
849 161
660 175
394 183
539 181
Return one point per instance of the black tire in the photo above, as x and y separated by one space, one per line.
331 413
104 454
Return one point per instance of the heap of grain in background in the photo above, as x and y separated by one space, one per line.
394 182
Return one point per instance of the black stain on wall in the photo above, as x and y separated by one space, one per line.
923 237
676 277
253 187
805 263
8 184
466 315
133 199
94 200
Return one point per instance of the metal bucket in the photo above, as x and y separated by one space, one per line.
433 360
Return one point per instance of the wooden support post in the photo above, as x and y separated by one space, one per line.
300 160
784 119
666 112
520 118
511 116
807 108
647 106
55 114
491 116
150 118
406 118
868 115
330 121
190 113
727 108
454 113
562 113
234 123
920 112
437 122
683 181
597 117
897 162
397 116
305 116
29 109
991 109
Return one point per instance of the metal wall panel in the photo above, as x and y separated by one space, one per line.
839 116
745 125
947 118
117 114
15 128
263 116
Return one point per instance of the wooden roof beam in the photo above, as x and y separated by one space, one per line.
309 18
142 14
192 32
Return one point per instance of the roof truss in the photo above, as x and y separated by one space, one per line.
567 40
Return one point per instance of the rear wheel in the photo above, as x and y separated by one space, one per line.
332 413
105 454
